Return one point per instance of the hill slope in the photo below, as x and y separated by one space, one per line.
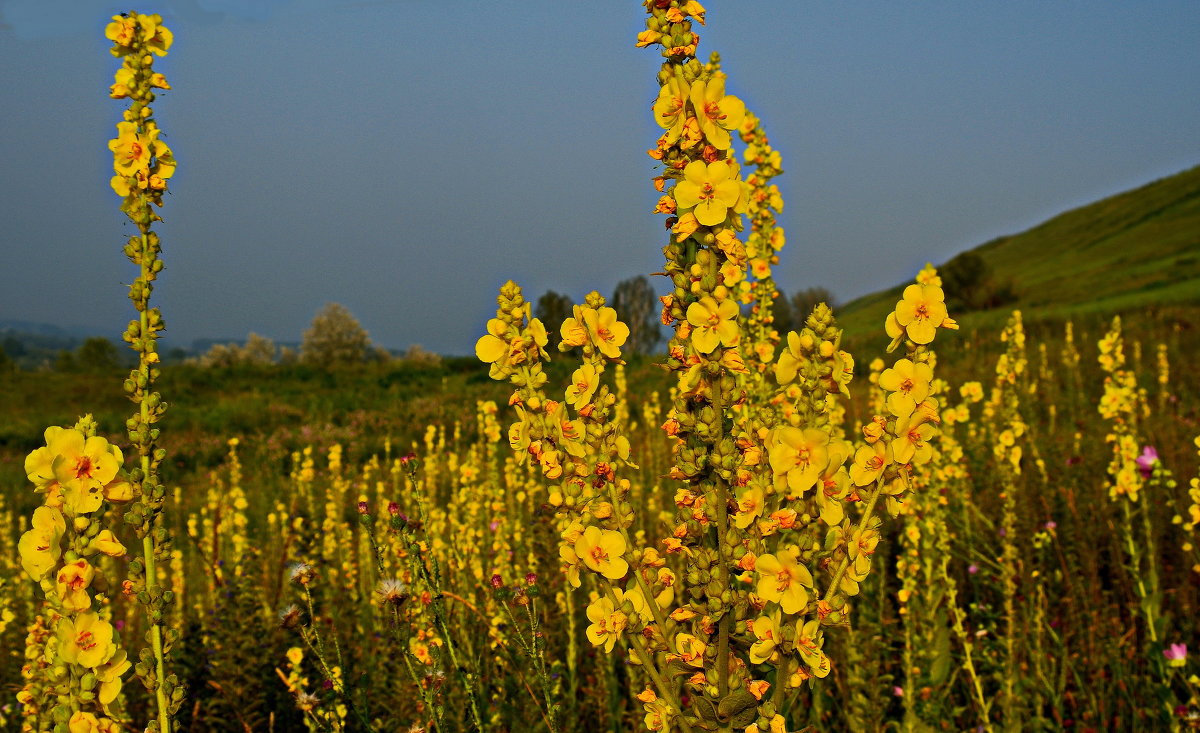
1135 249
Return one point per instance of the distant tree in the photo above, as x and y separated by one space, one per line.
552 309
258 350
96 354
804 301
970 284
335 338
782 313
288 356
418 355
6 363
636 305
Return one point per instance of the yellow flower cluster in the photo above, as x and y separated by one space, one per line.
142 162
80 475
1120 405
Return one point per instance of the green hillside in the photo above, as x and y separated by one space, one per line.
1135 249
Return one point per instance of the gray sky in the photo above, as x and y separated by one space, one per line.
405 158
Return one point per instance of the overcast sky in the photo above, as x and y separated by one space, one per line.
405 158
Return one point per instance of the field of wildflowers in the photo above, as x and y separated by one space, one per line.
754 532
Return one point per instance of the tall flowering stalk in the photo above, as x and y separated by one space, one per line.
767 538
142 165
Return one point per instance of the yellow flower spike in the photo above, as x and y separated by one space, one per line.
784 580
716 112
41 546
670 109
797 457
710 190
920 312
602 550
86 640
908 384
713 324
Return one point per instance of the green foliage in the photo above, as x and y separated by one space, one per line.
1121 254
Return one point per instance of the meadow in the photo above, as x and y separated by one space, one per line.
929 510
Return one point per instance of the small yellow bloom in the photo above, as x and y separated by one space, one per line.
72 583
711 189
921 311
607 623
41 547
908 384
602 551
869 462
670 107
607 333
766 629
86 640
109 676
716 112
713 323
784 580
107 543
797 457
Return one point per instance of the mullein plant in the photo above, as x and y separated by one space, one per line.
143 164
1122 404
765 526
1003 415
75 661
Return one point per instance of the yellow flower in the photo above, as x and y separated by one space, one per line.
716 112
583 385
155 35
808 644
108 543
691 650
295 655
602 550
711 189
869 462
131 150
908 384
713 323
606 332
798 457
72 584
912 439
750 507
862 546
921 311
120 31
607 623
670 107
40 547
493 346
784 580
109 676
86 640
766 629
81 722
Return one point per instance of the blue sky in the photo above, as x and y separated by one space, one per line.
405 158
